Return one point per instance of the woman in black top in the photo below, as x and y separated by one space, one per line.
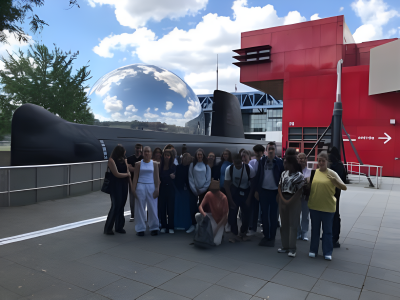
166 199
213 166
120 177
183 219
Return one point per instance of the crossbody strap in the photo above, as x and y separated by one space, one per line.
241 175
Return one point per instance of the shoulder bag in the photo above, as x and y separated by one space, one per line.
106 187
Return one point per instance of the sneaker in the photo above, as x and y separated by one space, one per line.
282 250
292 254
299 238
251 233
305 239
140 233
109 232
120 231
171 231
131 219
163 230
312 255
328 257
154 232
336 245
191 229
227 228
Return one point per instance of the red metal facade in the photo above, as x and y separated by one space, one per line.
305 56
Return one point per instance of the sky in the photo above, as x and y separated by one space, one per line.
185 36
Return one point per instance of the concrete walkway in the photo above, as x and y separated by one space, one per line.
83 263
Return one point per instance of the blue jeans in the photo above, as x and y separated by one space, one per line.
269 212
326 218
305 220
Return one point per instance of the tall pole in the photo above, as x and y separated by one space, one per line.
217 71
338 111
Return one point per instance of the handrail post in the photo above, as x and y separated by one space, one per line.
68 182
37 191
9 187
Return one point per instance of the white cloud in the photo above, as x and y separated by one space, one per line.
169 105
194 109
112 104
148 109
116 116
120 42
131 108
150 115
156 109
12 46
341 9
174 82
194 51
104 84
172 115
374 15
315 17
101 118
136 13
124 59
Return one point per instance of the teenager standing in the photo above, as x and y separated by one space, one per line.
166 200
145 188
132 160
322 204
118 190
199 181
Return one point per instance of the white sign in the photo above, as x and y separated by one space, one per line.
291 123
387 138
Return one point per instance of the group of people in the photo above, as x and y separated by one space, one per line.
181 191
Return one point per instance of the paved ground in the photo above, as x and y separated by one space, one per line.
85 264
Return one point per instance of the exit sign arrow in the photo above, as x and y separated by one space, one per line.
387 138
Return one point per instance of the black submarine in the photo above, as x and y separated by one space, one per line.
40 137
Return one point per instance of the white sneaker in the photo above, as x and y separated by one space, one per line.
305 239
163 230
227 228
171 231
131 219
292 254
328 257
191 229
311 255
281 250
251 233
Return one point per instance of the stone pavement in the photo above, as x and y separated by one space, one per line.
83 263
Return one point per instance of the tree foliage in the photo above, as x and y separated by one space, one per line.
46 79
13 13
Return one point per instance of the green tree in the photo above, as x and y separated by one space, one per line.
14 12
46 79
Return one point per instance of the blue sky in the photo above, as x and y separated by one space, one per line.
184 36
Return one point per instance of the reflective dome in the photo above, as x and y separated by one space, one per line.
146 97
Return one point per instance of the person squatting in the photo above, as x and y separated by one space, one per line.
180 192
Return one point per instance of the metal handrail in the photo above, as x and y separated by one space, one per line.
8 169
53 165
351 165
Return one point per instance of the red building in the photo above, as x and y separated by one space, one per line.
297 63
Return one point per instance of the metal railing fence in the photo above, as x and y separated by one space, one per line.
24 185
371 173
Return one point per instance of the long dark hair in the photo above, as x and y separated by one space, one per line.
291 159
229 157
205 159
118 153
215 158
154 151
171 160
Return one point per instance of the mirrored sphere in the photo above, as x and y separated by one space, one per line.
146 97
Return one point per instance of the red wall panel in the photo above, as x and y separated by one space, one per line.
306 56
